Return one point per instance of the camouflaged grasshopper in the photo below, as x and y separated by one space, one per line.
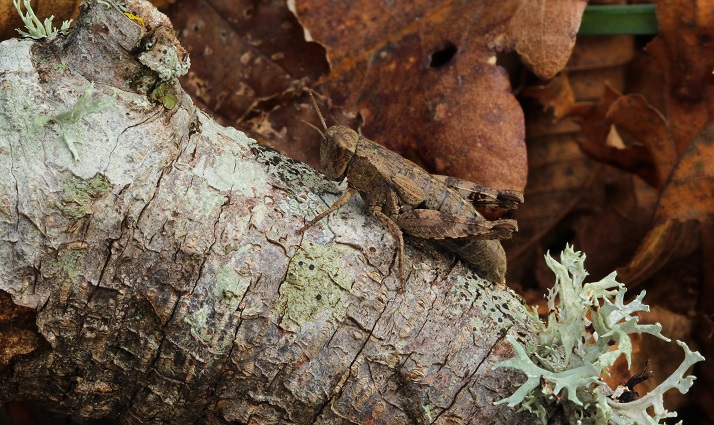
406 198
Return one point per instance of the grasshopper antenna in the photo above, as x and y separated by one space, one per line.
312 126
317 109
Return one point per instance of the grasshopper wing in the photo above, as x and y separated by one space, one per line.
408 190
482 196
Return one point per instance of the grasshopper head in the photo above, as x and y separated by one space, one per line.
336 151
339 144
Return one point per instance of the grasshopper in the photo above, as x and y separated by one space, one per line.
406 198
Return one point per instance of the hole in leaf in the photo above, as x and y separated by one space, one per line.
443 56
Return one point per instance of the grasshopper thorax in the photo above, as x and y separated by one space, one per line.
336 151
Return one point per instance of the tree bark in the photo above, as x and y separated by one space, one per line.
161 277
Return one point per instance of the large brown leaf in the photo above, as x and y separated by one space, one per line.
423 76
683 51
543 33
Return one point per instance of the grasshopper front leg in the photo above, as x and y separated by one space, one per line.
396 234
349 193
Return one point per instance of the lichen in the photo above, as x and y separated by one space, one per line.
66 263
315 285
228 290
84 106
586 331
165 59
35 28
307 205
77 195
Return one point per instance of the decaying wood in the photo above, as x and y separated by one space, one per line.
167 278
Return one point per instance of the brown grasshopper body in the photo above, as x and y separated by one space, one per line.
406 198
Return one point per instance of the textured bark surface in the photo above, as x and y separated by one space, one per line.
161 277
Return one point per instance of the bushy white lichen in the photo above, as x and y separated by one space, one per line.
35 28
588 327
85 106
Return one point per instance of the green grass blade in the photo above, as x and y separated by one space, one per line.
634 19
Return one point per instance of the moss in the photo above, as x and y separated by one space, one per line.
78 195
164 94
66 265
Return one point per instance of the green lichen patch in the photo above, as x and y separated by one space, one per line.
316 286
78 195
230 288
164 55
66 266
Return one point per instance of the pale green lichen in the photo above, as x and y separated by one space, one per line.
574 351
66 264
35 28
315 286
77 195
85 106
228 289
165 60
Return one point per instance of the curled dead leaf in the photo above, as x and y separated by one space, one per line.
543 33
686 201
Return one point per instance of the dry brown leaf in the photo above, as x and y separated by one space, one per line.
633 114
247 59
242 53
543 33
556 95
598 125
683 50
686 201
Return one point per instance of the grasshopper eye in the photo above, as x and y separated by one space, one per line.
337 150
